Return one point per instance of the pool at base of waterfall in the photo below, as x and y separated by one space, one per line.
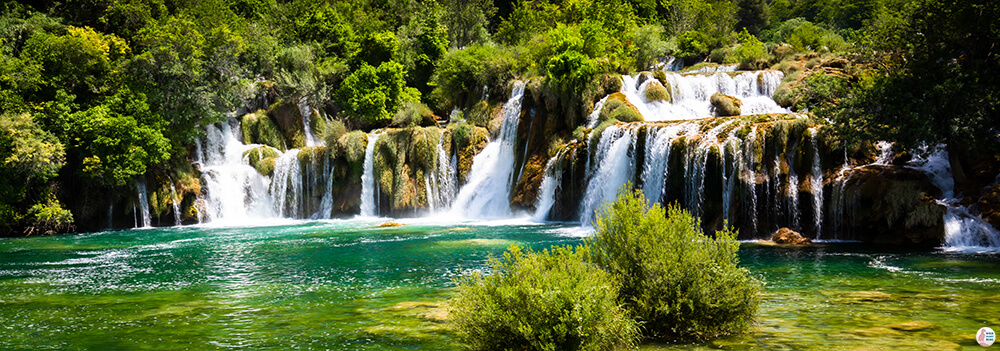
349 285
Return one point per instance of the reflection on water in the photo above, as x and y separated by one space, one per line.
350 285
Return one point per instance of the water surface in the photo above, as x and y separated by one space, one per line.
347 285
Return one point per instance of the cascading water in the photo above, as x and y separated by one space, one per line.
547 191
441 182
690 94
175 202
140 187
615 166
694 167
655 166
963 229
286 184
749 165
368 183
306 113
816 184
487 192
326 204
234 191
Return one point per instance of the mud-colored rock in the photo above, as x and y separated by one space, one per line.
787 236
390 225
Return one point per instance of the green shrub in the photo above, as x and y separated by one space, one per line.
463 72
551 300
373 94
49 218
354 144
750 53
480 115
677 281
334 130
805 36
413 114
259 128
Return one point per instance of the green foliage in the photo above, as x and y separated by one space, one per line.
750 52
117 140
423 43
335 129
376 48
354 144
467 21
693 44
296 74
649 45
676 280
328 27
480 115
550 300
462 72
49 218
373 94
82 62
805 36
413 114
27 149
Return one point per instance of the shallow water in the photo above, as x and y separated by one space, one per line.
348 285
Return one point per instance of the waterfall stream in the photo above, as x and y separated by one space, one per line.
369 194
143 205
487 192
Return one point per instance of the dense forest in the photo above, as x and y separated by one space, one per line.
94 93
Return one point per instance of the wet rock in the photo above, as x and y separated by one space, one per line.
863 296
894 205
656 92
789 237
913 326
618 107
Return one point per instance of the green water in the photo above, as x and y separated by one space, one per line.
347 285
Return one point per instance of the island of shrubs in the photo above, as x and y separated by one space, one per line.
648 272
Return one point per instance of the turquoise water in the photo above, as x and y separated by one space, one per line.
349 285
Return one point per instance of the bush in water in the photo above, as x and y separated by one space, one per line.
677 281
550 300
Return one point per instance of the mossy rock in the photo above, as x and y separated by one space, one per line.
262 158
259 128
318 124
619 108
467 140
288 118
726 105
655 91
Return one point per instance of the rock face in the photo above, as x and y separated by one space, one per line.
893 205
787 236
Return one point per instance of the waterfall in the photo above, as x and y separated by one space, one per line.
690 94
140 187
368 182
884 149
963 229
286 184
326 204
176 203
487 192
547 191
615 166
792 187
593 119
694 166
234 191
730 170
440 183
306 113
816 184
655 162
750 163
842 205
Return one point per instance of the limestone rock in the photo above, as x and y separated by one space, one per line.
726 105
